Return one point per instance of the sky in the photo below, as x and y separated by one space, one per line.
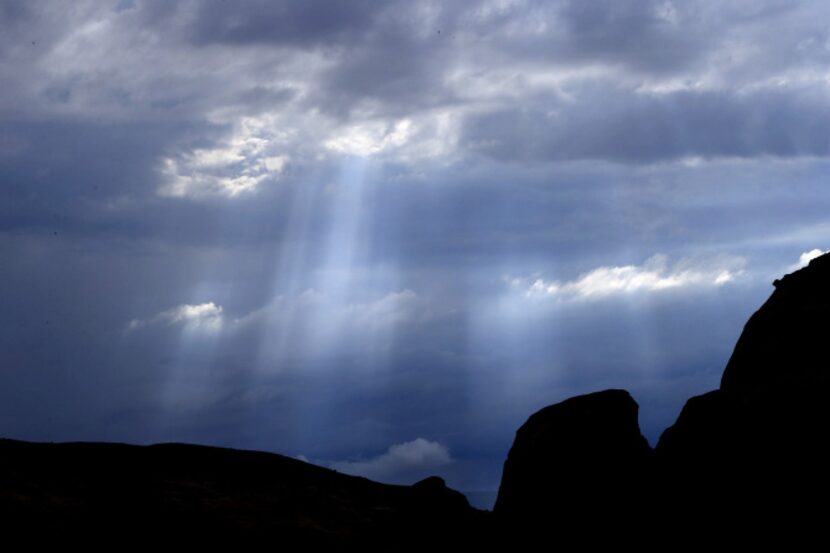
379 235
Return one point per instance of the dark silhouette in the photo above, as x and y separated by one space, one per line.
743 464
576 468
198 493
759 445
575 462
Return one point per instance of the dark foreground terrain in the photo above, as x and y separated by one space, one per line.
745 464
199 493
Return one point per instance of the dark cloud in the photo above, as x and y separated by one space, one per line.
395 72
646 128
290 23
646 36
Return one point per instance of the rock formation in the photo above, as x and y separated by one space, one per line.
759 444
573 464
773 399
745 461
568 453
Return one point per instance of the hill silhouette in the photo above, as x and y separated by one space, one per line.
203 493
741 464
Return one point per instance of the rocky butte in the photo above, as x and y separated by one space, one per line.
746 463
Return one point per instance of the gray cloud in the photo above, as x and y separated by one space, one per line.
631 81
304 24
652 127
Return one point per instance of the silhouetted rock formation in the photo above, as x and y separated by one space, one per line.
773 399
784 344
759 444
87 490
752 455
443 500
575 464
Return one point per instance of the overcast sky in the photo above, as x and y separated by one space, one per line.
379 235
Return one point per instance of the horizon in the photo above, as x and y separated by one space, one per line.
379 236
